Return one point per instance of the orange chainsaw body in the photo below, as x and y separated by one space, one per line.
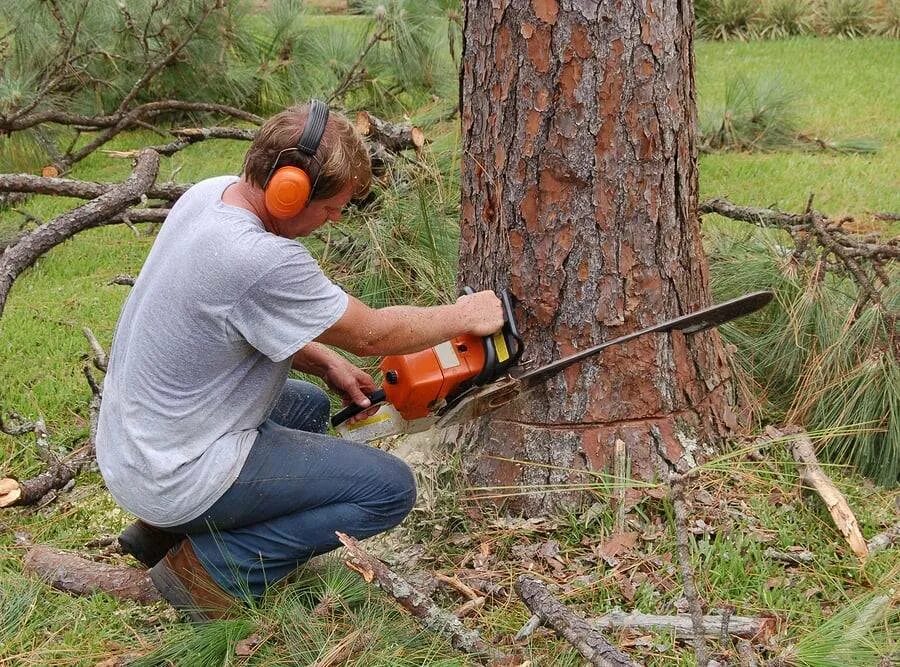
415 382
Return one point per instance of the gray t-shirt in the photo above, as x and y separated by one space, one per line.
201 352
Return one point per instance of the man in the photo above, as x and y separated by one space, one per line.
201 432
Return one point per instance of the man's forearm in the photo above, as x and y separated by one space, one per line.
315 359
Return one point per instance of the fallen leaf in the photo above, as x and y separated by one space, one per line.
617 544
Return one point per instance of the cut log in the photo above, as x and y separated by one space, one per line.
589 641
73 574
812 475
745 627
394 137
418 604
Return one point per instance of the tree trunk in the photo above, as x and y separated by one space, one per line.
579 193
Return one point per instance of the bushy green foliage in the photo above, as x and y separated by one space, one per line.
814 360
725 19
784 18
402 247
887 18
844 18
758 114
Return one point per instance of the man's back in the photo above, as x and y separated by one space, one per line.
201 352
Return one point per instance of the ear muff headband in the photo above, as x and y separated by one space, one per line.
288 189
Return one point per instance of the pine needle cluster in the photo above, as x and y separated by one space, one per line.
813 359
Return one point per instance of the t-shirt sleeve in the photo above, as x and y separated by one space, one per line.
288 307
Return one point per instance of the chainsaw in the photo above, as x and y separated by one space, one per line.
470 376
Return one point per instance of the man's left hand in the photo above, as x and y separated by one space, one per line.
353 385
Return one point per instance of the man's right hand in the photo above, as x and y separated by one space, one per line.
482 311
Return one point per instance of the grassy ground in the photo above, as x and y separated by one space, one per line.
848 89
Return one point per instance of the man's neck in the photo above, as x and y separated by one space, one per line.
250 198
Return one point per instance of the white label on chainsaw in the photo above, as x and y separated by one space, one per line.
387 421
446 355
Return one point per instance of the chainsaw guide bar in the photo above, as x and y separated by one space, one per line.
479 400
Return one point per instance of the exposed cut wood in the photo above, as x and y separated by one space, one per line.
589 641
812 475
416 603
73 574
745 627
395 137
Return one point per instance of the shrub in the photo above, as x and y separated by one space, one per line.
725 19
785 18
887 18
814 362
845 18
758 115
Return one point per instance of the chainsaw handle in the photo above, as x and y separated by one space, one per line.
352 410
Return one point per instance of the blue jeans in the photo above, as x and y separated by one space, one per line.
297 487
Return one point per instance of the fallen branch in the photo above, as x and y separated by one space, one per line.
883 540
68 187
27 492
60 471
395 137
745 627
863 257
586 638
682 538
23 254
416 603
76 575
812 476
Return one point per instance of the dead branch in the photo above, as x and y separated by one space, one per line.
73 574
67 187
395 137
676 494
60 472
30 491
746 627
885 539
353 74
192 135
23 254
416 603
589 641
101 361
813 477
140 112
529 628
865 258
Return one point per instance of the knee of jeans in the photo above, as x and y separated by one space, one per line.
403 485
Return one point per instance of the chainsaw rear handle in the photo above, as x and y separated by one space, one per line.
376 397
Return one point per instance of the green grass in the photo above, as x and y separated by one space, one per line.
846 89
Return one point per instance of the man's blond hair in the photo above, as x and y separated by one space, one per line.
342 153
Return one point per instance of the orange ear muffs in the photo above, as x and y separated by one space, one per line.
287 192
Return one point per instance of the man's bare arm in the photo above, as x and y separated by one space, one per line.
402 329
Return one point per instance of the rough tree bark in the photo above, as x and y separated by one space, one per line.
580 194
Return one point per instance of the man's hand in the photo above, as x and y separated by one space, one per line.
352 385
483 312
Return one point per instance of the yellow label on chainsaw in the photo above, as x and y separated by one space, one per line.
500 345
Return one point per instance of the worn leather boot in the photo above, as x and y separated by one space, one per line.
185 584
147 543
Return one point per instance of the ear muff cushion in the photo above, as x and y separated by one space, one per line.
287 192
